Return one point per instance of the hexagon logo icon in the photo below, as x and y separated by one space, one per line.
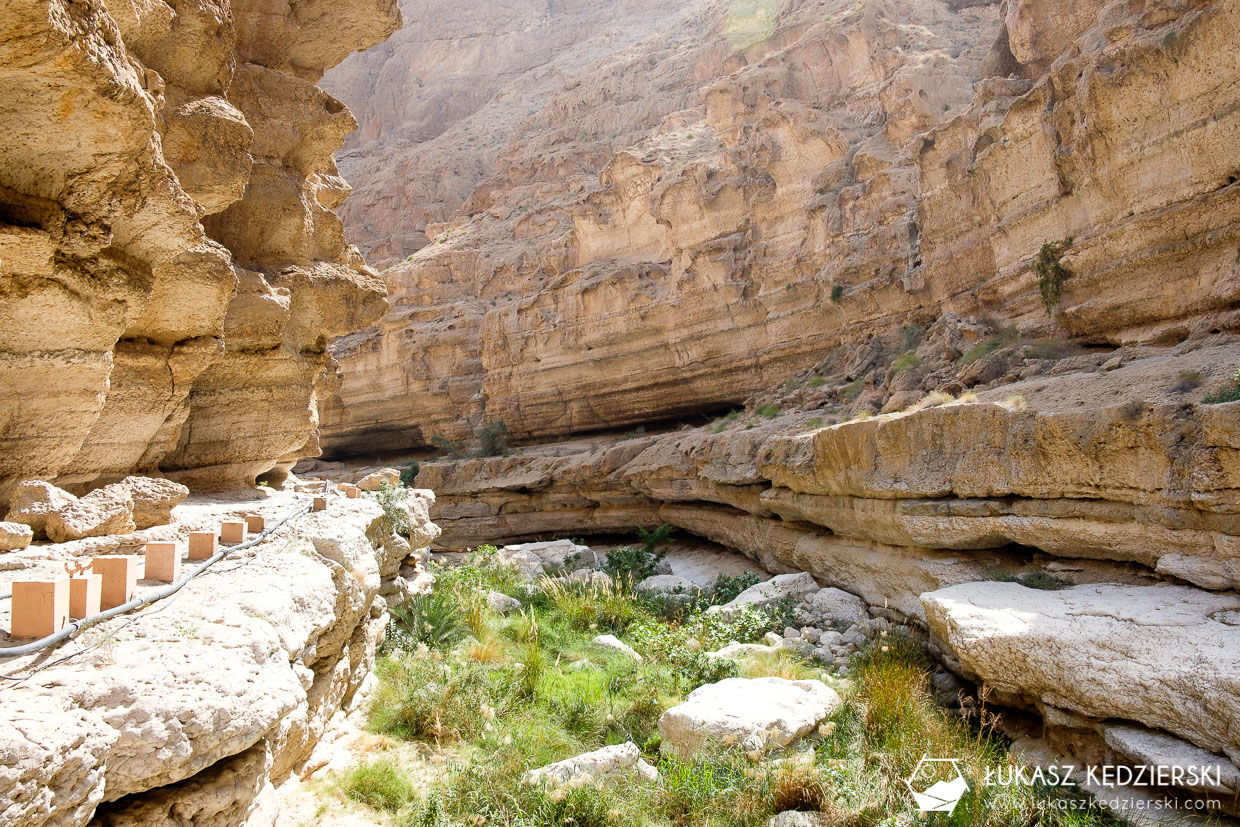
937 784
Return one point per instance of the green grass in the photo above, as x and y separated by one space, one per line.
1004 338
532 701
906 362
380 784
767 411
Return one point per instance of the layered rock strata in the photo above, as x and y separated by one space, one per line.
192 710
834 185
170 267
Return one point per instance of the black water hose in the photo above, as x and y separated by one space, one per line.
139 602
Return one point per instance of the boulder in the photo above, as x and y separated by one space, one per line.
104 511
14 536
557 554
781 587
618 762
797 818
34 501
1146 747
1159 655
590 577
373 482
750 713
616 645
526 564
668 584
501 603
836 607
154 499
737 651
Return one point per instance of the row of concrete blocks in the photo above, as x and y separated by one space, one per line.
43 607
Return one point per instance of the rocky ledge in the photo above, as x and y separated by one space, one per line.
192 710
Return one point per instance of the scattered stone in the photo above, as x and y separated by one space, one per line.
154 499
791 633
555 555
590 577
616 645
526 564
772 639
810 633
14 536
621 761
34 501
752 713
780 587
373 482
501 603
107 510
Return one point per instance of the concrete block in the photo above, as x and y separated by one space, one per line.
40 607
120 579
254 523
85 592
320 503
232 531
353 492
203 544
163 562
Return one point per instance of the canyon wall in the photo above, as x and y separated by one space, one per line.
170 268
698 216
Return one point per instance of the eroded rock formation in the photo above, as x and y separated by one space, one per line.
190 712
847 174
170 268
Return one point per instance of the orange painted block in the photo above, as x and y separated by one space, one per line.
85 592
255 523
203 544
120 579
354 492
320 503
232 531
40 607
163 562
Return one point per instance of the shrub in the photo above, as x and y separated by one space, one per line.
1231 393
392 500
448 449
1187 380
853 389
640 430
814 422
409 474
1051 272
837 292
434 620
728 586
912 336
767 411
1005 337
631 565
906 362
380 784
492 439
817 381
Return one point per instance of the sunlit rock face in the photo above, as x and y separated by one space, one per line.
692 217
169 264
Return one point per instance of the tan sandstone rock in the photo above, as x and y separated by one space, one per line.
108 510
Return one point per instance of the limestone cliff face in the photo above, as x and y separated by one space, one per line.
170 268
834 175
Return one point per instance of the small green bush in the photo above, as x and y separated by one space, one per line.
492 439
1051 272
728 586
380 784
1231 393
767 411
837 292
434 619
395 517
817 381
409 474
906 362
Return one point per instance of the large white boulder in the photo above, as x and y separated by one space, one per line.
501 603
781 587
749 713
615 644
558 554
835 607
618 762
1162 655
667 584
